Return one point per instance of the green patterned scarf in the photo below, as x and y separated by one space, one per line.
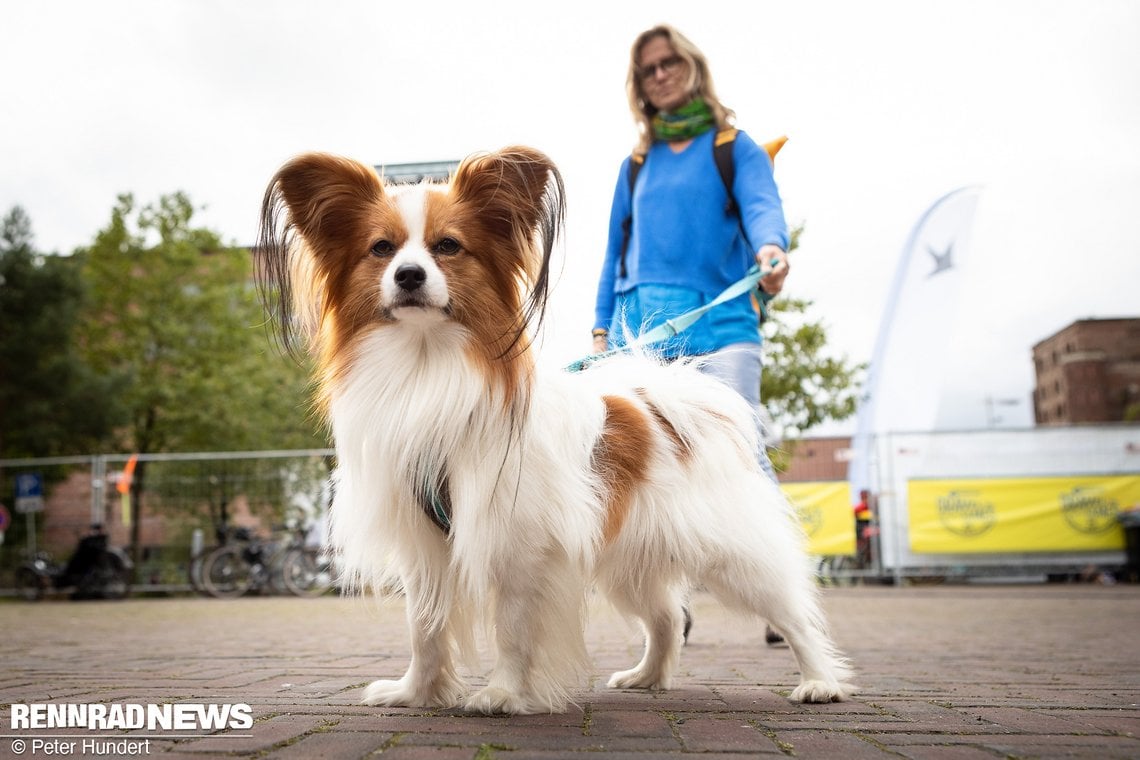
685 123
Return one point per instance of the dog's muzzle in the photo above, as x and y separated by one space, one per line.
410 277
413 291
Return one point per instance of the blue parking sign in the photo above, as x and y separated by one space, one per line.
29 492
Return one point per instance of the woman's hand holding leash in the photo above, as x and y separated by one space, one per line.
773 261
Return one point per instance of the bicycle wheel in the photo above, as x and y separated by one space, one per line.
833 570
109 579
225 572
843 570
194 569
305 573
30 585
117 583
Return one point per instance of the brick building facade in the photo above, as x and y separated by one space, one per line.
1088 372
817 459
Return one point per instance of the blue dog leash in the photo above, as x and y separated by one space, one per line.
678 325
434 505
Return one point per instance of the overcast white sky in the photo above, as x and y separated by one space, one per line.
887 105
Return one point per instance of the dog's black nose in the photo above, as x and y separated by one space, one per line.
410 277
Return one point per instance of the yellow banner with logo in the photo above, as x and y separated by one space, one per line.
1019 514
825 512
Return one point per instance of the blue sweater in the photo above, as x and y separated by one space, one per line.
683 248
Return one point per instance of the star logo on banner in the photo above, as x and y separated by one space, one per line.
942 261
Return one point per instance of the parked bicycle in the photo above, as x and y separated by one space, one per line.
95 571
224 536
250 564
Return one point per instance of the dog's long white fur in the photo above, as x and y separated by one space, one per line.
529 512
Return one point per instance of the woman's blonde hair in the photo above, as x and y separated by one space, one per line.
700 83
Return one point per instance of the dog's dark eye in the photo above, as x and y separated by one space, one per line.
446 247
383 248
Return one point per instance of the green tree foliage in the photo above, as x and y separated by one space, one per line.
1132 412
802 385
51 403
173 316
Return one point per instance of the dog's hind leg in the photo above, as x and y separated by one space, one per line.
776 591
659 608
823 671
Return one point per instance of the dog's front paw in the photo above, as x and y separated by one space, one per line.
388 694
403 694
495 701
638 678
821 691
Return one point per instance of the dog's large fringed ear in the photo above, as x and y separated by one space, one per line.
521 197
319 198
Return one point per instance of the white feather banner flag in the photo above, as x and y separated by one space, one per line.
905 380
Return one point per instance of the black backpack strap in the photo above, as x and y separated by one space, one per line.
722 154
636 161
726 166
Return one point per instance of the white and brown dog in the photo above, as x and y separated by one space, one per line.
499 496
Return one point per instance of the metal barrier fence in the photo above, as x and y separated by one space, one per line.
166 505
968 504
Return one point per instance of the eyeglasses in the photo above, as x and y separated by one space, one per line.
669 65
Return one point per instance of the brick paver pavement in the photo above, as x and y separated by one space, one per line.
963 672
